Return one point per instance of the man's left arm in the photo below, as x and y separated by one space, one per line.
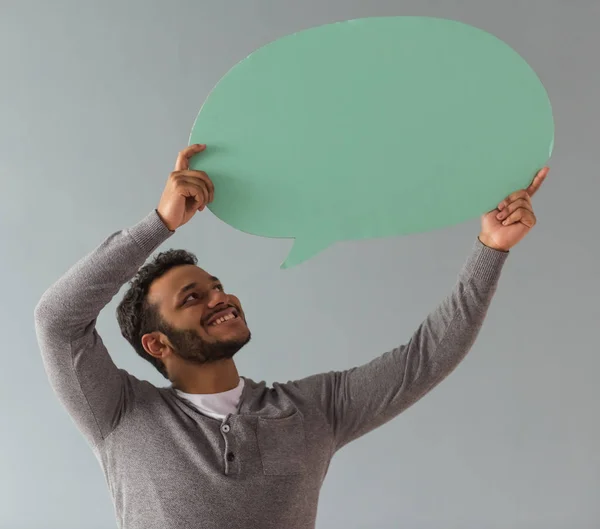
360 399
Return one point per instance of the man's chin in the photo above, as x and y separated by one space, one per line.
231 340
226 349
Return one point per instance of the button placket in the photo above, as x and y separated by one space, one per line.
228 455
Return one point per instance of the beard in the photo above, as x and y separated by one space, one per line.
189 345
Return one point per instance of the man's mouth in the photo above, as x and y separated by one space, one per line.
223 316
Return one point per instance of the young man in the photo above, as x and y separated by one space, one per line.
216 450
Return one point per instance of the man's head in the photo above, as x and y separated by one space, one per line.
175 310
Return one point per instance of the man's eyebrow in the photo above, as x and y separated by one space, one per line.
187 288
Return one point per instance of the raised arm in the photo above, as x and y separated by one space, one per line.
94 391
84 377
358 400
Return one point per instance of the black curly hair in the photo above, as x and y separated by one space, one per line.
136 316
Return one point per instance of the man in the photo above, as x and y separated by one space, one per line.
216 450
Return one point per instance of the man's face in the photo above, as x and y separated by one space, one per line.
201 321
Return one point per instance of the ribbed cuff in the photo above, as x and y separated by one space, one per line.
150 232
484 263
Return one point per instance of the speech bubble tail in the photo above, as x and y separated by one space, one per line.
304 248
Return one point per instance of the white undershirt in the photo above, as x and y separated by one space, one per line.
216 405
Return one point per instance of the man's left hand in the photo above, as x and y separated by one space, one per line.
503 227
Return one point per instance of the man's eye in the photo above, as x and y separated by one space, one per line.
188 297
195 294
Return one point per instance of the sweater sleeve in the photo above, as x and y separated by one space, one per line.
358 400
95 393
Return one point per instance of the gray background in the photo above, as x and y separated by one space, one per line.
97 98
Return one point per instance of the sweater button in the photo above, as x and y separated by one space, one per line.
225 428
230 456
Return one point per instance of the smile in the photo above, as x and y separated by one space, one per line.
222 316
223 320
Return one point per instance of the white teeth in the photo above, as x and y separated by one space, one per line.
222 319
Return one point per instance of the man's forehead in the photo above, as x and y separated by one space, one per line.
170 283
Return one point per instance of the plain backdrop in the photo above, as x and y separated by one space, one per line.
96 99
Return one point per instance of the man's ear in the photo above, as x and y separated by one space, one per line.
157 344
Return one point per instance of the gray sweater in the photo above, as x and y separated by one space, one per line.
170 467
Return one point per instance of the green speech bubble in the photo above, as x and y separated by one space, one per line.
371 128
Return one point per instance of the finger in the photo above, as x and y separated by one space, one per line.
183 159
537 181
522 193
209 184
199 185
198 176
530 191
524 216
524 203
195 179
195 192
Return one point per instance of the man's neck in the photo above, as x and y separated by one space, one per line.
215 377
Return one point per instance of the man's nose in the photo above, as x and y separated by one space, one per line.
217 297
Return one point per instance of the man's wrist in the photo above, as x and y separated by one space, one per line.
486 241
163 220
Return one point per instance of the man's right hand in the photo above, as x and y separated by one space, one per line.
186 191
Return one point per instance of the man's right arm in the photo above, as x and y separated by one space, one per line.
94 391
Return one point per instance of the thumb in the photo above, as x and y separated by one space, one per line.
183 159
